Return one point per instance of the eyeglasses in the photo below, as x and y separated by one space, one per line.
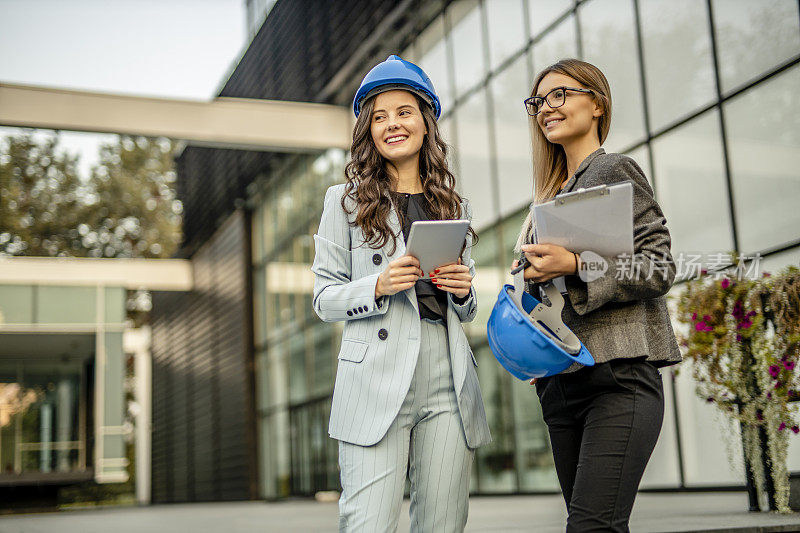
554 99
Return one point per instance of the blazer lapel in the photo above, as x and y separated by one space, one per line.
399 251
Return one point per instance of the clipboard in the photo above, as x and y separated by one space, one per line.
599 219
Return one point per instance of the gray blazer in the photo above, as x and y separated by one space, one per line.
380 341
617 318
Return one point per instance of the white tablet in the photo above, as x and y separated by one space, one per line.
436 242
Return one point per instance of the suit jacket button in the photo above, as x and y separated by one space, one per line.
377 259
382 334
349 313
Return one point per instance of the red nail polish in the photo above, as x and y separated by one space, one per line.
439 286
433 280
436 271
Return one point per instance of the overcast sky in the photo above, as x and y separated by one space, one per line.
167 48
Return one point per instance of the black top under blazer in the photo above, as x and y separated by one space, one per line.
624 318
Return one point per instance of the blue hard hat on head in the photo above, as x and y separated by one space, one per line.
528 337
397 73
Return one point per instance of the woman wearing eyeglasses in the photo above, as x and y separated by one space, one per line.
603 420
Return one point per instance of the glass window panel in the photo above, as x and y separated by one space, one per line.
677 58
690 186
298 384
257 244
777 262
496 460
542 13
115 304
467 44
66 305
557 44
512 137
609 42
432 50
259 307
16 304
764 151
753 37
532 454
262 381
506 26
473 154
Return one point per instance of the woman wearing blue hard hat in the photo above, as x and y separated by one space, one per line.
604 419
406 402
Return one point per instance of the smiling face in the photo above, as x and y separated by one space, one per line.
571 122
397 126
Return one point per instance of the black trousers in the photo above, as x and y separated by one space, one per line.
604 422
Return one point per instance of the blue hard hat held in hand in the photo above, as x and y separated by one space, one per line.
528 337
397 73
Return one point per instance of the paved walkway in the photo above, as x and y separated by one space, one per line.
671 512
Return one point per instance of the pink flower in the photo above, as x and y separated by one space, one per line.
700 326
751 313
774 370
795 430
788 365
782 426
707 318
725 283
778 384
738 338
769 396
694 316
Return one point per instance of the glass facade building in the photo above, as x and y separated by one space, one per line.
62 370
705 100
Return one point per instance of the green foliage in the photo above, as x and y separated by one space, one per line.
126 208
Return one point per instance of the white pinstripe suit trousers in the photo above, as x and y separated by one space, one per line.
426 442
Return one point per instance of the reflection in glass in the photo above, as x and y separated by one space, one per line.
467 43
753 37
677 58
691 188
512 137
764 150
473 155
40 417
506 27
609 42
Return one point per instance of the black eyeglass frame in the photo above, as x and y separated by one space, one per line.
544 99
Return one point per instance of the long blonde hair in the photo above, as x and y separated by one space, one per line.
549 159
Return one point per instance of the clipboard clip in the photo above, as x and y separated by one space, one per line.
581 194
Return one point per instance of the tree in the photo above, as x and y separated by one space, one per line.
126 208
40 199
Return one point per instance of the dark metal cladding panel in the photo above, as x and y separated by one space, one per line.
202 439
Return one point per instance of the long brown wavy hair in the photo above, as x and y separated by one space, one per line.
368 182
549 159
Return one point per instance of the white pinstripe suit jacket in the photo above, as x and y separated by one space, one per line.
380 342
